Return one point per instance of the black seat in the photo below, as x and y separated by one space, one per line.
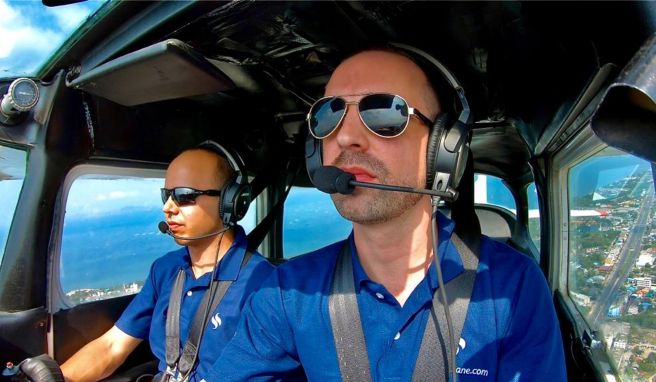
462 210
495 222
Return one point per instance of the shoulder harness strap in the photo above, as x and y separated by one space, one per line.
187 360
434 351
347 327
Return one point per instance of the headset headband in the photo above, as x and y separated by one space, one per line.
234 161
465 114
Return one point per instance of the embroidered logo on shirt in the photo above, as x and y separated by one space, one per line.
216 321
461 345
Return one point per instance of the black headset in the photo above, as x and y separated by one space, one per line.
448 143
236 192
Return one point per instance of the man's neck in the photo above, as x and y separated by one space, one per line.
203 253
397 253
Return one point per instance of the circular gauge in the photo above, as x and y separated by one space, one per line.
23 94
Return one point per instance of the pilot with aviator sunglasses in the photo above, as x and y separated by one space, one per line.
374 123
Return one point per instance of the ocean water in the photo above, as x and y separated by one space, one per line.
108 250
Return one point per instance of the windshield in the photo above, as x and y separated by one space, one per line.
30 33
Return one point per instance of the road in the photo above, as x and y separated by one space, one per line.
626 259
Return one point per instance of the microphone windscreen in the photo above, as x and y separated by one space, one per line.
331 179
342 183
324 178
163 227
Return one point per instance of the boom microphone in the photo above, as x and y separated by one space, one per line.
331 179
164 228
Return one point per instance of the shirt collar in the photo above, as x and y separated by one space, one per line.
359 275
450 262
230 264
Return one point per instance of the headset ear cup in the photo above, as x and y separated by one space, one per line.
236 194
225 203
240 202
433 147
313 155
235 199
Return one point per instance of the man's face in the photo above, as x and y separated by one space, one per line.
353 148
196 169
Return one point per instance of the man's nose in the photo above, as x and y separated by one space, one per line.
352 133
169 206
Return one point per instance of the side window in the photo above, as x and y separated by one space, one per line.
311 222
612 250
12 173
490 189
533 214
110 236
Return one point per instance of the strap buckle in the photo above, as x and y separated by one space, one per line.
174 375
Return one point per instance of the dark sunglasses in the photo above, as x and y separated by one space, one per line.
185 196
386 115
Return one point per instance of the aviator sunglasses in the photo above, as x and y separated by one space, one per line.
386 115
185 196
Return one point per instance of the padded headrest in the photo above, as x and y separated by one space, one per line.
462 209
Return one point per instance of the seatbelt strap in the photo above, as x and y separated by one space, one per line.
348 335
173 324
345 321
435 350
187 360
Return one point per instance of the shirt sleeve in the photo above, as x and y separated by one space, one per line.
137 317
532 349
263 346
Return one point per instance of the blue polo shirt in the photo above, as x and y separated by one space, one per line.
145 317
510 333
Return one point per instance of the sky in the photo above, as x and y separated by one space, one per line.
31 32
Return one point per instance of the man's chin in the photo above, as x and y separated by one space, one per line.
369 208
357 210
181 242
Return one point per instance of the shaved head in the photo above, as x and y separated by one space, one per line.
407 63
200 168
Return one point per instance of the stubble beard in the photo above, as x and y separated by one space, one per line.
367 206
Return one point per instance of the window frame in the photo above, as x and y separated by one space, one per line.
18 198
575 152
507 187
534 248
583 146
57 299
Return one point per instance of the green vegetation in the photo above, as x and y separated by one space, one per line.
601 239
592 260
585 310
647 366
646 320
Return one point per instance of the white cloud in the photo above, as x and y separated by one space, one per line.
69 17
8 13
31 32
93 197
28 40
115 195
19 38
121 194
